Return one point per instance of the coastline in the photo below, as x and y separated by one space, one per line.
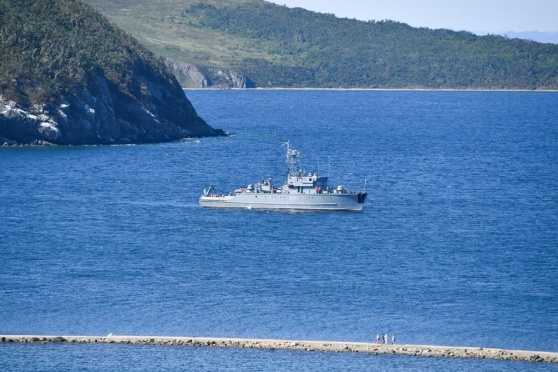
381 89
316 346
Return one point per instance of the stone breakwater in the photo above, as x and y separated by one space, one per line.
322 346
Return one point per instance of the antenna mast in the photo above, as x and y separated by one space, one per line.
293 160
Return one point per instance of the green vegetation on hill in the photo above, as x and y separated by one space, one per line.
281 47
50 47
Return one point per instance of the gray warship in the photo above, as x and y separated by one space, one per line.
302 191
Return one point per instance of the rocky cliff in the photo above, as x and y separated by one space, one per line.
69 77
190 76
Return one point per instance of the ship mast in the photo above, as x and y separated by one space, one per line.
293 160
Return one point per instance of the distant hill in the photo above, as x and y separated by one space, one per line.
275 46
68 76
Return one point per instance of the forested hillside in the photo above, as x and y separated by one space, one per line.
51 52
276 46
69 76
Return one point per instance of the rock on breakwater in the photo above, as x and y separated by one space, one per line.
323 346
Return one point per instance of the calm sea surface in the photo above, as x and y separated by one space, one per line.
457 244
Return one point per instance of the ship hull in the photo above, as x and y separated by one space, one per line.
277 201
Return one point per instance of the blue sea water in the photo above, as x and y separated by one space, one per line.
457 244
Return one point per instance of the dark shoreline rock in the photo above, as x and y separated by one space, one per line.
103 115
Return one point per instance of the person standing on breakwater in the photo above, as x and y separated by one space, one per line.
393 339
378 339
385 338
